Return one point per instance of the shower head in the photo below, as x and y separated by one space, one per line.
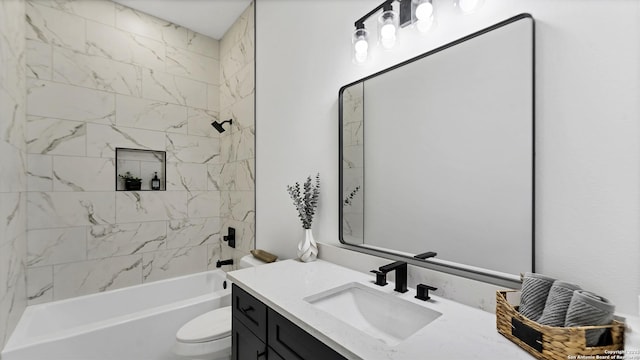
218 126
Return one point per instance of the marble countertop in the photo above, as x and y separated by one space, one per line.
462 332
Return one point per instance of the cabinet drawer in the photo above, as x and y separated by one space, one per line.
291 342
250 311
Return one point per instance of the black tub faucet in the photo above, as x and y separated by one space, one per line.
219 263
401 274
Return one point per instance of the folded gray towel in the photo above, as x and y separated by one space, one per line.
535 289
589 309
555 309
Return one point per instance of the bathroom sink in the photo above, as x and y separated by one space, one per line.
380 315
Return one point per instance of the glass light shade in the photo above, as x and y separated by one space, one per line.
388 28
422 9
424 26
360 44
468 6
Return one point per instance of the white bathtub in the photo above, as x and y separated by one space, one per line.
134 323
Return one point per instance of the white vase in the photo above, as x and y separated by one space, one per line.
307 248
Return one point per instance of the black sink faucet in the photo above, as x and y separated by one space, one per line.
401 274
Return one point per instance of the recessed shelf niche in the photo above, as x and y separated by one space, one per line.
142 164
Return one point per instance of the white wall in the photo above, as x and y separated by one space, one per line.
587 124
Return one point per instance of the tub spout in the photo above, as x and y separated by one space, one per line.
219 263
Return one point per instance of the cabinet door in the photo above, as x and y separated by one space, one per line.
245 345
293 343
272 355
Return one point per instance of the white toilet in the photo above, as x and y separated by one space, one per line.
209 335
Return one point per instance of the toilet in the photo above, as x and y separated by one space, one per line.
208 336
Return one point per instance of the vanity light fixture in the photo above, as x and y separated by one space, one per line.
387 26
360 42
388 23
420 13
387 30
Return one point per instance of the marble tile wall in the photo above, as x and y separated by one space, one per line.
13 237
237 150
101 76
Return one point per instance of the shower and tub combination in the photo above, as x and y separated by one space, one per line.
137 322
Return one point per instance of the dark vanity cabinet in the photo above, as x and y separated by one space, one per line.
261 333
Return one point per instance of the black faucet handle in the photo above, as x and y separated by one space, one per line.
231 237
424 256
381 277
422 291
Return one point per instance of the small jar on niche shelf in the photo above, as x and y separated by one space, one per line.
155 182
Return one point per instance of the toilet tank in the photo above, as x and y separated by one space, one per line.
249 261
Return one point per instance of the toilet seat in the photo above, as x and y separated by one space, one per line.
209 326
208 336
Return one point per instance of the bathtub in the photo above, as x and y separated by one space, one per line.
133 323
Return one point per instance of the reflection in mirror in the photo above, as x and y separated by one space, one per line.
437 153
353 163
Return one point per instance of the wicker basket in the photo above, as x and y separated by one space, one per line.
546 342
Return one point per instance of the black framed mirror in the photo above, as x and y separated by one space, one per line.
437 154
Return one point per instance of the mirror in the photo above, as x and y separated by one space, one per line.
437 154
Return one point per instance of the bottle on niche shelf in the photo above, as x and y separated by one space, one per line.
155 182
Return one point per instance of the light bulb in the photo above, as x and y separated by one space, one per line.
360 57
424 11
361 46
468 6
387 28
388 31
360 41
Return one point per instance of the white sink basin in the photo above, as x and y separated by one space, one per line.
383 316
